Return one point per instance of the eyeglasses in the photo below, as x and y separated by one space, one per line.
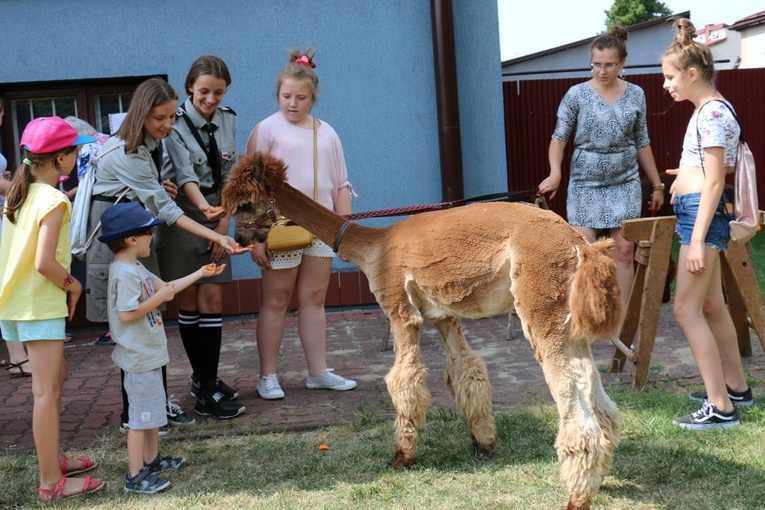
149 232
608 66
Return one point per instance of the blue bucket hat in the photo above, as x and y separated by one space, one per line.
124 220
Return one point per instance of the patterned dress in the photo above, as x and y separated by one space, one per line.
604 187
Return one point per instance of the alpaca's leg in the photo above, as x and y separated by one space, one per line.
467 379
407 389
604 409
583 448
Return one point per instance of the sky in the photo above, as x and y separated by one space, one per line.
528 27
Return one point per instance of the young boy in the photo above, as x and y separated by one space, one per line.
134 295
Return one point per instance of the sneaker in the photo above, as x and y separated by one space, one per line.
145 482
228 391
708 417
124 427
269 389
105 339
740 399
164 463
176 416
329 380
215 404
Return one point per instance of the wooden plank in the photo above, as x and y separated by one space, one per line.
641 229
653 289
746 281
737 307
631 319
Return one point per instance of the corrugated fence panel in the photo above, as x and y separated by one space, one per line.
531 112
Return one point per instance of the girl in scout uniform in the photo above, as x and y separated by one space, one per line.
200 151
128 168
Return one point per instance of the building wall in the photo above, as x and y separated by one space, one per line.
753 47
374 61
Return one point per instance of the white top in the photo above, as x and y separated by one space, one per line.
294 146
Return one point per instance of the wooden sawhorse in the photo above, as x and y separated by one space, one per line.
653 237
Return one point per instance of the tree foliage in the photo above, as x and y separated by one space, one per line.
630 12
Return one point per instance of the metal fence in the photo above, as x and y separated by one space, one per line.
530 116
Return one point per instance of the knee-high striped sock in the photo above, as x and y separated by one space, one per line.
188 326
210 333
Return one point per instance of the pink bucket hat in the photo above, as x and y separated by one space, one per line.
50 134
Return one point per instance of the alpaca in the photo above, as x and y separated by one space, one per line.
473 261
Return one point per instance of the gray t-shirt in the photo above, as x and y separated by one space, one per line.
141 344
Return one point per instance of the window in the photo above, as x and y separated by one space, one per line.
90 100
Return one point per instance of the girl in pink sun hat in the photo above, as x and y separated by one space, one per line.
37 293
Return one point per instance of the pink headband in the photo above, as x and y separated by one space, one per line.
303 60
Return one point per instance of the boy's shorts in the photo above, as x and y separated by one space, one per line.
29 331
146 399
686 210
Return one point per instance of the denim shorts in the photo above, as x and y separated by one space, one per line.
28 331
686 209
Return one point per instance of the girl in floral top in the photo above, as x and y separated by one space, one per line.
709 153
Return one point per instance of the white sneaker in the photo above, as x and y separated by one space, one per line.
268 387
329 380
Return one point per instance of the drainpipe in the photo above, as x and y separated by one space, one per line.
447 103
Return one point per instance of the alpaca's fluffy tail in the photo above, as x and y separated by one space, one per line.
594 301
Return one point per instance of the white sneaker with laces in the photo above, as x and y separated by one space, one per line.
329 380
269 389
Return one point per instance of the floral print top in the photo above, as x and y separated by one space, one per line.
717 127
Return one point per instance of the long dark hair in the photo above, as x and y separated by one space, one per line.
207 64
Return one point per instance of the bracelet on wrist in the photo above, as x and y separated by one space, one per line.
659 187
68 280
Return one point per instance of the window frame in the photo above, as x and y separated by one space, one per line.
85 91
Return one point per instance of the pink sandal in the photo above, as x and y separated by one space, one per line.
85 465
90 485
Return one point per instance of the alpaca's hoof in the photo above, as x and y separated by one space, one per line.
400 460
483 451
572 506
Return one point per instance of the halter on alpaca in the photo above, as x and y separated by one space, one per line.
443 265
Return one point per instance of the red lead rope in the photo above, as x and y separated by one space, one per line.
515 196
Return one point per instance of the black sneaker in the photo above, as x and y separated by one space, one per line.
176 416
740 399
228 391
708 417
164 463
145 482
215 404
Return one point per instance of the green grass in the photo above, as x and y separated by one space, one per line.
657 466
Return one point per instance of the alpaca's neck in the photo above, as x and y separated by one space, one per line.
357 240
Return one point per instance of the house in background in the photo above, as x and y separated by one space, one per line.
724 43
739 45
752 32
646 44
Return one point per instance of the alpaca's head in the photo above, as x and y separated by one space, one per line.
246 194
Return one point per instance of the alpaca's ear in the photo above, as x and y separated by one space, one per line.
241 186
275 171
